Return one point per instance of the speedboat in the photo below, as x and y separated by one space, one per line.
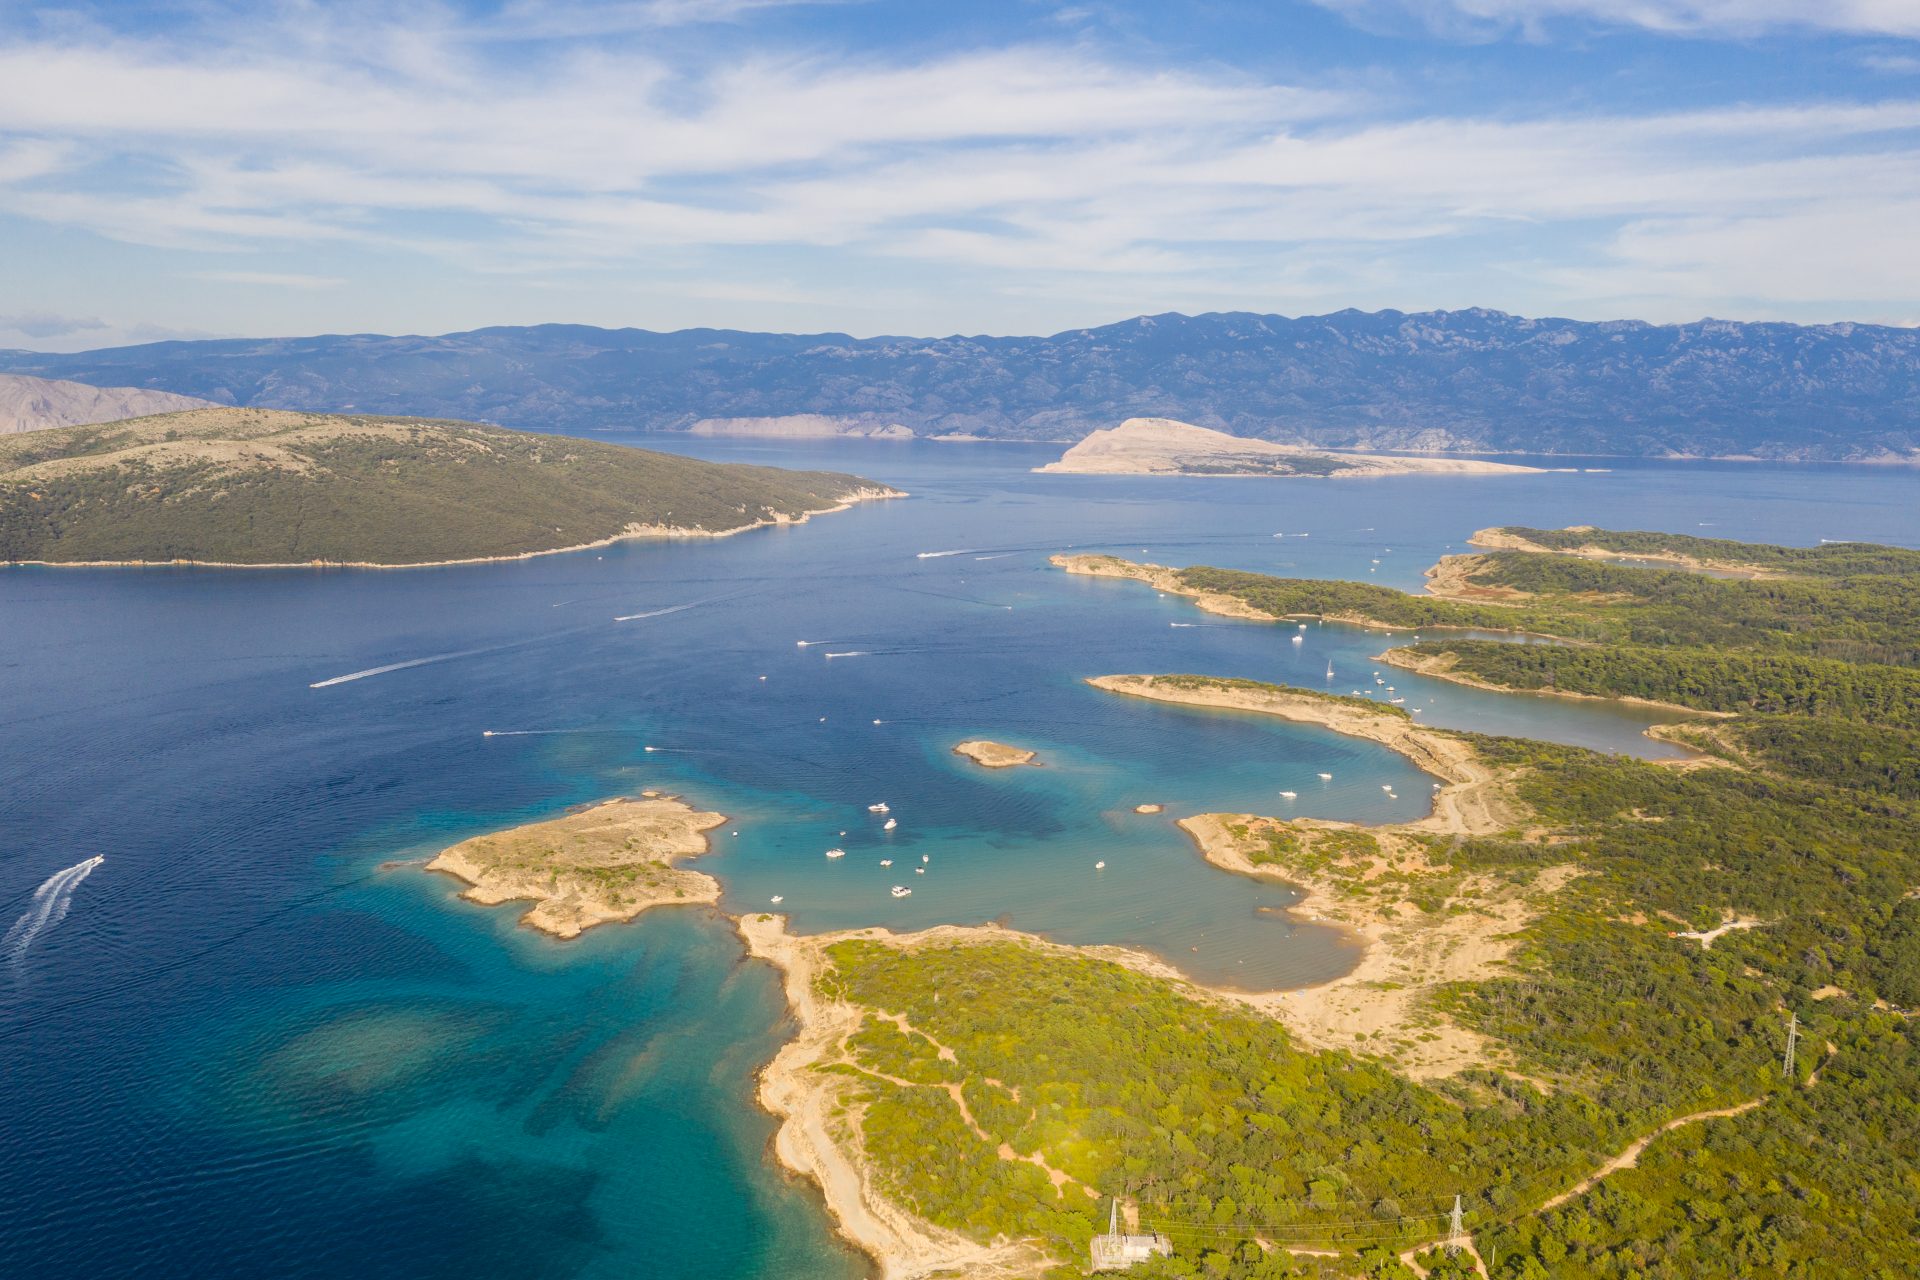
1289 794
1100 866
882 807
836 853
886 862
1326 777
776 899
901 891
891 823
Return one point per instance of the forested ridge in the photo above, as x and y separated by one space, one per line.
242 486
1712 904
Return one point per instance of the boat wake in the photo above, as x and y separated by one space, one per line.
661 613
941 555
536 733
851 653
49 907
402 666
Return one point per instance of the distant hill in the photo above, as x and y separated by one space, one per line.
33 404
1466 381
253 486
1163 447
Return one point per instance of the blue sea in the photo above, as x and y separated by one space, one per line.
256 1038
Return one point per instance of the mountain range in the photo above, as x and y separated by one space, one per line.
1457 381
33 404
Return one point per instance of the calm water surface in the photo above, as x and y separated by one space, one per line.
252 1045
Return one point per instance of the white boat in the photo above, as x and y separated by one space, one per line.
1386 788
776 899
1326 777
901 891
1289 794
1298 638
882 807
1100 866
836 853
1396 701
886 862
1329 671
919 871
890 824
926 857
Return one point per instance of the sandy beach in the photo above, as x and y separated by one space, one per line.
607 863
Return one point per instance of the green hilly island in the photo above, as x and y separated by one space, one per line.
263 486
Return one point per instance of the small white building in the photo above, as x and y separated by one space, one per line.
1116 1252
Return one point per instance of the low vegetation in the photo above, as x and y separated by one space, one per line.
1829 559
1643 1009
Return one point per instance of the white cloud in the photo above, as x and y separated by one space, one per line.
47 324
1484 18
1025 169
272 279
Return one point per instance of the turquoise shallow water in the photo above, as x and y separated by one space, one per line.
248 1047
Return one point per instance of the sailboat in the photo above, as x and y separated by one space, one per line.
1329 670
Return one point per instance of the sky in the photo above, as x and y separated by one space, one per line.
200 168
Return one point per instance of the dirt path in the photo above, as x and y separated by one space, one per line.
1058 1177
1705 937
1631 1156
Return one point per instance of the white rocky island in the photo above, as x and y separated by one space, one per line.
1164 447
